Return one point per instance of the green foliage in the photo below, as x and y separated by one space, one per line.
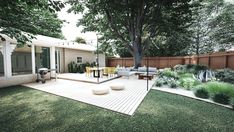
134 24
189 68
188 82
72 67
220 87
80 40
221 98
225 75
185 75
201 93
159 82
25 109
180 68
21 19
232 103
223 26
194 68
173 84
80 68
168 73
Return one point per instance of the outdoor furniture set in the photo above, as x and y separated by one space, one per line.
141 72
100 71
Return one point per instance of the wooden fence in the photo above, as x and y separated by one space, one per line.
217 60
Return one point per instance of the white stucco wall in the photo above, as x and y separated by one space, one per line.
17 80
87 56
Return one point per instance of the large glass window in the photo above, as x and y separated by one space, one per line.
21 60
42 57
1 65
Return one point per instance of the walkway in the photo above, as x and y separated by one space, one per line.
125 101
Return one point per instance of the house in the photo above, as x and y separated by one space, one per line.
19 64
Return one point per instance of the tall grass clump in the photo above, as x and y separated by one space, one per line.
220 87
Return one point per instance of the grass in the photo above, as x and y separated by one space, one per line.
219 87
25 109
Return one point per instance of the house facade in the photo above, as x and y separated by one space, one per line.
19 64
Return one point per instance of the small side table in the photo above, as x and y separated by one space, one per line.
145 76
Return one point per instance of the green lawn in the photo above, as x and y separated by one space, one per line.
24 109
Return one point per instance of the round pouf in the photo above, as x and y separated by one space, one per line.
100 91
117 86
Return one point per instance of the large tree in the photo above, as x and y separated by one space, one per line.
21 19
212 27
223 26
133 23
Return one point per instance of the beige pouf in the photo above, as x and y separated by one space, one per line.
100 91
117 86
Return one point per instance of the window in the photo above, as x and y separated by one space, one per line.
79 59
21 60
42 57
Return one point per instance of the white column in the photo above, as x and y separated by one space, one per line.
7 51
33 59
52 60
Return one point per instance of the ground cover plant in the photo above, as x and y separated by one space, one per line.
25 109
201 93
225 75
219 89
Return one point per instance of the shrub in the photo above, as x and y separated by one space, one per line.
173 84
159 82
168 73
221 98
225 75
72 67
232 103
201 93
188 82
193 68
190 75
220 87
180 68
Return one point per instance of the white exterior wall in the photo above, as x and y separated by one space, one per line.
87 56
16 80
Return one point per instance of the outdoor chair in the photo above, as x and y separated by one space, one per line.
88 71
105 71
111 71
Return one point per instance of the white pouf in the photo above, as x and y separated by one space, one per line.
101 91
117 86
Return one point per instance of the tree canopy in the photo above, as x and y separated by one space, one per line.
80 40
133 23
21 19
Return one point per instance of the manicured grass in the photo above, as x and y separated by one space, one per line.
24 109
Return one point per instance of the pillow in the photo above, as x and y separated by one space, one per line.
142 69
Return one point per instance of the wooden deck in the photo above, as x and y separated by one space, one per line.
84 78
125 101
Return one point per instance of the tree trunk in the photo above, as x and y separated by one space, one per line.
137 52
137 59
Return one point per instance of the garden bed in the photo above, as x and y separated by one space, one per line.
187 93
198 82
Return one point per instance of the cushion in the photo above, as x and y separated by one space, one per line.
142 69
152 69
117 86
100 91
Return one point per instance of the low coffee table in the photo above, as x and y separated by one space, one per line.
145 76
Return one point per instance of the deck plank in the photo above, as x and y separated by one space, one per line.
125 101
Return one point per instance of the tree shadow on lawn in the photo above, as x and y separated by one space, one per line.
24 109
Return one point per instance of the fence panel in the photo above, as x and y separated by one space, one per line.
217 60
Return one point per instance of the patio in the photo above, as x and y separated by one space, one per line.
125 101
84 78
